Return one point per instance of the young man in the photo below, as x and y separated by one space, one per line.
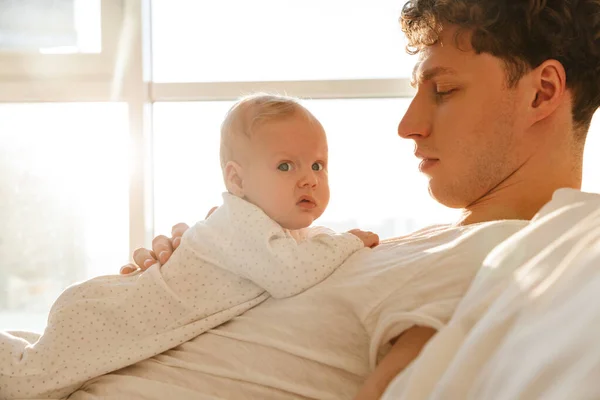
505 94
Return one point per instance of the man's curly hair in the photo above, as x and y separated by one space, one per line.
523 33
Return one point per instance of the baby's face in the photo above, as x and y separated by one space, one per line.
286 170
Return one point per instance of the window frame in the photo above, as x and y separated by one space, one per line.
96 67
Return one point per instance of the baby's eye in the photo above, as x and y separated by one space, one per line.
317 166
285 166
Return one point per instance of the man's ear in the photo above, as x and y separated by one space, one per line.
234 178
549 82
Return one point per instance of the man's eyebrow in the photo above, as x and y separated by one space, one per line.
429 74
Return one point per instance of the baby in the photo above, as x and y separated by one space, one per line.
274 162
257 244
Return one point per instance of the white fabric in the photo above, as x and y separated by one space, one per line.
529 326
222 268
320 343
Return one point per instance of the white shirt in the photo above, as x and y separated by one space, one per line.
224 266
322 343
529 326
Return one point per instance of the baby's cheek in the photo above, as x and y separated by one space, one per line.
326 195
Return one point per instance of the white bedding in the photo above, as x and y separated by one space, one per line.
529 326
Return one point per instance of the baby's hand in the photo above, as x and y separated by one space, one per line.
370 239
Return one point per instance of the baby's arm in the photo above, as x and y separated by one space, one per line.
242 239
285 267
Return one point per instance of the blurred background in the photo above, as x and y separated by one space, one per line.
110 114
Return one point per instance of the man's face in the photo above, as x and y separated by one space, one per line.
466 123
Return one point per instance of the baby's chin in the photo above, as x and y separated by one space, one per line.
294 227
294 220
297 223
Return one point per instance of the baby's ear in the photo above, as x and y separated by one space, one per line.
234 181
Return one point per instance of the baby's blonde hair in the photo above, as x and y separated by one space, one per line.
252 110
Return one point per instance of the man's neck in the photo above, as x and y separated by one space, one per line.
555 162
519 200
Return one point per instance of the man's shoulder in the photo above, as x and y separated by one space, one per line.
448 235
439 247
564 198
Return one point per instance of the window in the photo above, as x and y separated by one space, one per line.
66 39
591 158
64 203
277 40
42 26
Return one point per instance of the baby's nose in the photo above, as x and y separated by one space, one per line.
308 180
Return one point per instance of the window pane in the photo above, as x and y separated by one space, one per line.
187 171
271 40
374 179
58 26
63 202
591 158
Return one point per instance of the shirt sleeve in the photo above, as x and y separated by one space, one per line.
429 299
260 250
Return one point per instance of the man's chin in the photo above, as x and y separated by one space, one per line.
446 197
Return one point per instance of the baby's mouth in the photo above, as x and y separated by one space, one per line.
306 202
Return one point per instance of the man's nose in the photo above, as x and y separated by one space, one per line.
416 122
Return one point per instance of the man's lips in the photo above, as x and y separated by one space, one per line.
426 161
422 156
